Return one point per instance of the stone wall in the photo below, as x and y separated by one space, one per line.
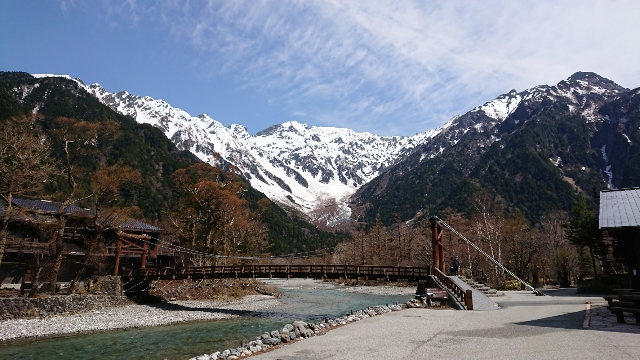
28 308
104 285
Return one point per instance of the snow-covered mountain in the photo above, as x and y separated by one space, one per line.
582 124
312 169
317 169
583 93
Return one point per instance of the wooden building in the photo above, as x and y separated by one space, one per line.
620 218
33 223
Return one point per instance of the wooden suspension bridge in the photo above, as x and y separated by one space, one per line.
143 276
130 243
368 272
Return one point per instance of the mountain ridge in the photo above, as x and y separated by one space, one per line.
311 169
550 138
142 147
317 170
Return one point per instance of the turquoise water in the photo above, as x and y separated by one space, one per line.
182 341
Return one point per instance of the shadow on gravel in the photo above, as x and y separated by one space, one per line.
178 307
143 298
271 313
568 292
571 321
565 321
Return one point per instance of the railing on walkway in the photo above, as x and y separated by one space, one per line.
391 273
464 296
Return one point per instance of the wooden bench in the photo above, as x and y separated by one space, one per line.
431 294
627 301
611 298
619 311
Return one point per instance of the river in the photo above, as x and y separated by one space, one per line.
185 340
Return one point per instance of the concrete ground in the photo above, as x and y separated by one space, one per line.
525 327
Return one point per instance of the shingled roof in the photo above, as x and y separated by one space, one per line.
45 207
619 208
135 225
50 208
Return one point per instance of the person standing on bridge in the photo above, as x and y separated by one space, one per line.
456 266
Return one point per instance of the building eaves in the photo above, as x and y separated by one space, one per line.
619 209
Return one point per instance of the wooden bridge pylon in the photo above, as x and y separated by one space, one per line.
126 245
437 245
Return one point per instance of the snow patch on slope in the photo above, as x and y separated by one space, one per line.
317 169
291 163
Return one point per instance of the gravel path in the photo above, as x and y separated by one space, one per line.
134 316
526 327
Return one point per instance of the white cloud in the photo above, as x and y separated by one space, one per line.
402 67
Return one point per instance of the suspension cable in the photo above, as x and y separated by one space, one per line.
487 255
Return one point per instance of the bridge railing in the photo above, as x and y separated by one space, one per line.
259 270
464 296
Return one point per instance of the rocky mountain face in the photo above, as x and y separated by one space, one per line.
145 148
317 170
537 150
311 169
582 94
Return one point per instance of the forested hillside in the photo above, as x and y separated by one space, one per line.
542 157
139 146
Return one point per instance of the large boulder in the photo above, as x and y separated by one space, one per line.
272 341
286 329
285 338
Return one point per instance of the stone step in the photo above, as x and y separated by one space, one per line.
489 292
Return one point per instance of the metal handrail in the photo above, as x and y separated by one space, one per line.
488 256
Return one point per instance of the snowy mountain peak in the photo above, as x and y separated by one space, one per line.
312 169
317 169
502 106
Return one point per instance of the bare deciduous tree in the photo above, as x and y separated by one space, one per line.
212 216
25 165
489 221
77 139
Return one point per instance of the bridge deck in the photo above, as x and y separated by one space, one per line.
391 273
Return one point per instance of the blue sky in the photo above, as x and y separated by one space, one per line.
387 67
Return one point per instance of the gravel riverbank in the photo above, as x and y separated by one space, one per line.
132 316
319 284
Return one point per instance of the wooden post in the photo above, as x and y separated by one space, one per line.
468 299
437 254
118 249
435 257
143 262
443 267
